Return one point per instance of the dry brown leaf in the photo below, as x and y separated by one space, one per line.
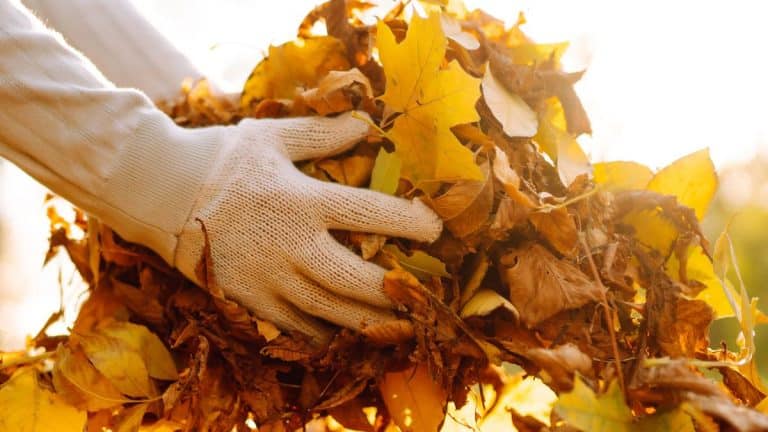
558 228
466 205
560 364
684 327
541 285
354 170
741 418
391 332
335 91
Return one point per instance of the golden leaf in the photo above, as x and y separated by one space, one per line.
620 175
153 352
293 66
429 101
692 179
122 365
128 354
26 407
414 400
79 383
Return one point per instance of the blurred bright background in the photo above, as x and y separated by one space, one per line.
663 79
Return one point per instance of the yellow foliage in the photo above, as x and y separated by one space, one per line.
620 175
429 101
293 66
26 407
692 179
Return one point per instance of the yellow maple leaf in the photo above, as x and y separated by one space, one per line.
429 100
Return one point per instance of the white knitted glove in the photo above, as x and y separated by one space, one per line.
267 224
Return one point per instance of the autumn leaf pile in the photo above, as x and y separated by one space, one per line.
561 295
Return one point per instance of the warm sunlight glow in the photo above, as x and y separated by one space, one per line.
663 79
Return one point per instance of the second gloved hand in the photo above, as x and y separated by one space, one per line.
267 225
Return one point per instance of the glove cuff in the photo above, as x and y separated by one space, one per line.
157 180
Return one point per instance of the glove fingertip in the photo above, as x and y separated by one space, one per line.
432 224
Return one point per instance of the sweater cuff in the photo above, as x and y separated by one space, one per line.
156 181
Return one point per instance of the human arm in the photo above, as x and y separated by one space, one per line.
112 153
120 42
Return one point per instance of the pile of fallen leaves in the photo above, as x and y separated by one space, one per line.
561 295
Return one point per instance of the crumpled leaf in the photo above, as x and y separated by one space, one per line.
466 205
683 328
414 400
541 285
293 66
741 418
333 93
484 302
429 100
353 170
26 407
560 364
516 117
386 172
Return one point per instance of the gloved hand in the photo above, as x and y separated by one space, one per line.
267 225
113 154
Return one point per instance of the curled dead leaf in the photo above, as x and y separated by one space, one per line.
541 285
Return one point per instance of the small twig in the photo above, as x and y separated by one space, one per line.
26 359
546 208
608 317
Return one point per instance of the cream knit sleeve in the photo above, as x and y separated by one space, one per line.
106 149
122 44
